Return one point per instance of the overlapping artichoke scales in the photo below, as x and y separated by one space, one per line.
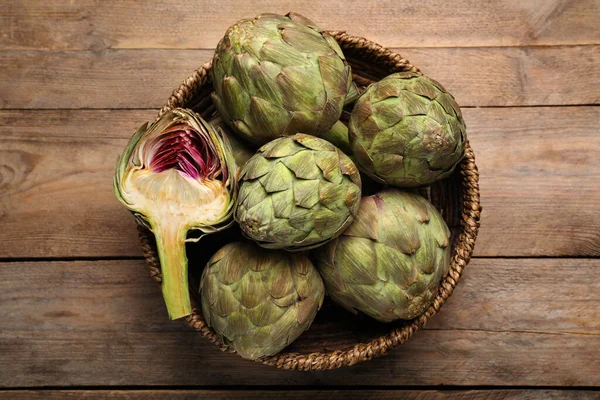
278 75
259 301
297 193
241 150
407 131
390 261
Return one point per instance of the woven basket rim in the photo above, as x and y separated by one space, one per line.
462 246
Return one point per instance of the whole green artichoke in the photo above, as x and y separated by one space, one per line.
278 75
259 301
407 131
390 261
297 193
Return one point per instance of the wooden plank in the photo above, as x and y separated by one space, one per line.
539 295
513 76
56 184
441 357
510 322
545 295
537 181
85 79
496 394
92 24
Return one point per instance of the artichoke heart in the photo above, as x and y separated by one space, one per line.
176 175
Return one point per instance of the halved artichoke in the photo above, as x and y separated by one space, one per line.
176 175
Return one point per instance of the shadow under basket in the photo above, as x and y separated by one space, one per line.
338 338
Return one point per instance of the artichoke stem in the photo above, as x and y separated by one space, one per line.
170 242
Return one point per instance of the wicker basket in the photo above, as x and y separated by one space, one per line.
337 338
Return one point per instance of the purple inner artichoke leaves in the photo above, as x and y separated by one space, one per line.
176 175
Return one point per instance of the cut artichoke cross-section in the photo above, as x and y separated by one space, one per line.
175 176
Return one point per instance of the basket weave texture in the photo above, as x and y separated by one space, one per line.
334 346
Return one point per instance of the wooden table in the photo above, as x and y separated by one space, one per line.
78 312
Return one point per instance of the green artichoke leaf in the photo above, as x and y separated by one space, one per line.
304 39
235 95
292 78
334 73
338 136
286 56
252 194
357 261
255 168
242 151
283 203
353 94
278 179
264 75
330 193
303 165
302 121
225 303
268 118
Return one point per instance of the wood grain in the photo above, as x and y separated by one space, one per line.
538 181
56 184
77 78
514 76
549 296
510 322
497 394
432 357
98 25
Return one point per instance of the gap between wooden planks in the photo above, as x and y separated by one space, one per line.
336 394
93 323
89 24
502 76
539 181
